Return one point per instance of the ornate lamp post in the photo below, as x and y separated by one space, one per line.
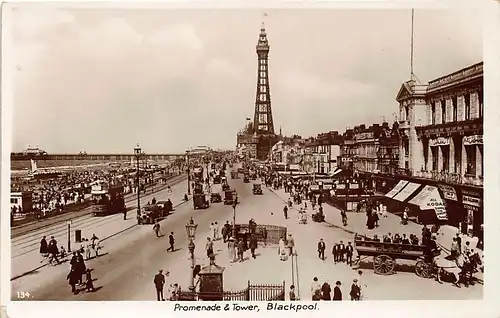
235 203
137 153
188 172
69 235
191 233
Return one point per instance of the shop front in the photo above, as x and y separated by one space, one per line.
456 211
473 204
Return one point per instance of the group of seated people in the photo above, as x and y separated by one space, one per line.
395 239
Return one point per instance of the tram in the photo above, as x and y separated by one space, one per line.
107 199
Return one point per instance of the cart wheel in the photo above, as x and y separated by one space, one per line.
383 265
423 269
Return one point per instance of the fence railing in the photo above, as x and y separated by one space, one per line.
259 292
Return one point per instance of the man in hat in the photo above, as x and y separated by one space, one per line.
159 281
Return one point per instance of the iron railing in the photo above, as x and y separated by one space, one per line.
260 292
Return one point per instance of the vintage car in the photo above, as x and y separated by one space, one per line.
225 187
246 178
215 198
228 197
149 214
165 206
200 201
257 188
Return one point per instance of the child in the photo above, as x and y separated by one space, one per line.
89 284
62 252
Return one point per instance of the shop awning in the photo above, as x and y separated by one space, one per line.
430 199
401 184
335 172
407 191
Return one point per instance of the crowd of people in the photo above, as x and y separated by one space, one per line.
56 255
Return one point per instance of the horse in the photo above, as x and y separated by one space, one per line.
455 270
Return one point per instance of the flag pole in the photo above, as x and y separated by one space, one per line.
411 45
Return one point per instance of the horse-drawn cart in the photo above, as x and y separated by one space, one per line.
385 255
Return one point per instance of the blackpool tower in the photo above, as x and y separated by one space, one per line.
263 126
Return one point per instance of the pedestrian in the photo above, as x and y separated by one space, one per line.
282 250
292 293
321 249
291 244
335 253
341 251
88 248
209 247
80 267
315 290
253 245
89 284
454 248
285 212
43 248
52 249
348 252
159 281
73 280
156 228
355 290
171 241
337 293
231 246
459 243
211 230
241 250
326 291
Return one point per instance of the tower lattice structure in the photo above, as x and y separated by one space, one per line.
263 116
263 127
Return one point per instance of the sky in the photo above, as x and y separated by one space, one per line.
103 80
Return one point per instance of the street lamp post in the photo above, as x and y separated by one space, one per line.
191 233
235 202
69 235
188 172
137 153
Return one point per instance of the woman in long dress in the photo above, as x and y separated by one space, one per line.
232 250
282 251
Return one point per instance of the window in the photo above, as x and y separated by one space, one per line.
262 67
262 127
262 81
446 157
262 38
263 62
433 113
482 159
467 106
407 113
13 200
434 151
262 74
262 108
262 97
443 111
471 159
455 109
480 101
262 89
